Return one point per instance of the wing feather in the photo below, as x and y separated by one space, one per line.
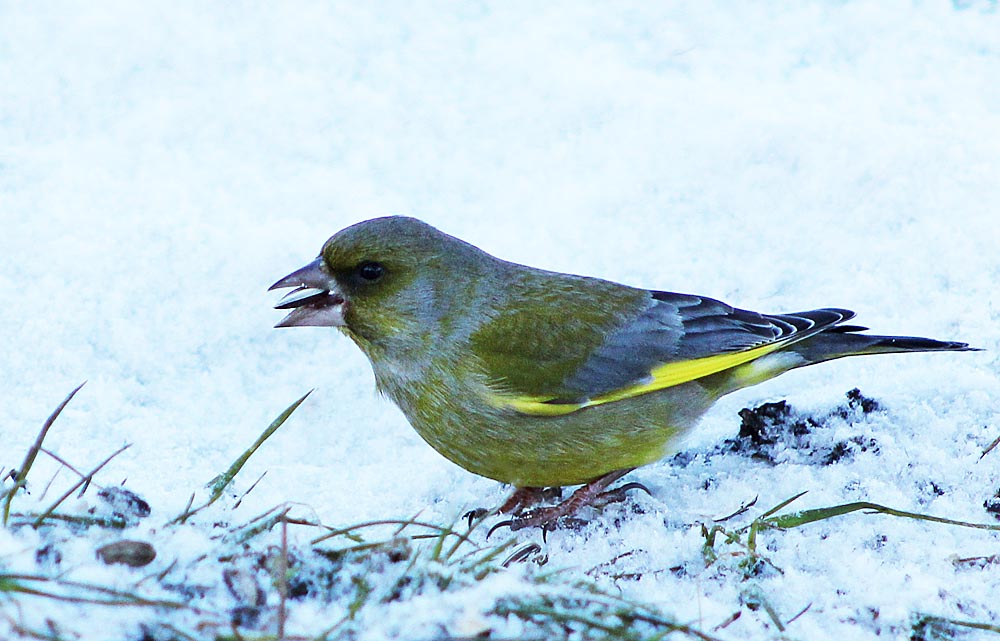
677 338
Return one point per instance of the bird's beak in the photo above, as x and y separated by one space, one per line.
315 301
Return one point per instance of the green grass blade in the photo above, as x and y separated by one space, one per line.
796 519
218 485
29 459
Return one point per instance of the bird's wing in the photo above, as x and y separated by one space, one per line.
674 339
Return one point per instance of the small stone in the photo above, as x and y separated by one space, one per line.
131 553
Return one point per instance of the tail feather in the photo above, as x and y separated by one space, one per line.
844 341
831 343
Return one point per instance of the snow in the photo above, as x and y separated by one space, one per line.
162 163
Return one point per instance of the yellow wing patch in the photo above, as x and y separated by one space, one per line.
662 377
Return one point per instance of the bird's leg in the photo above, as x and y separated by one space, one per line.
519 500
593 493
525 497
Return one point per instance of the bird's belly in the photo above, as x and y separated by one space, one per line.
562 450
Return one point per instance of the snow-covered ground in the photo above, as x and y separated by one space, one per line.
162 163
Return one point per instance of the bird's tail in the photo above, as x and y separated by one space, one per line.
844 340
829 344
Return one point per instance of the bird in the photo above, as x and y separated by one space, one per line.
542 379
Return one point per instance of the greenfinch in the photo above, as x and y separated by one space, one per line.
537 378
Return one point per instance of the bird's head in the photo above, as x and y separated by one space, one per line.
389 283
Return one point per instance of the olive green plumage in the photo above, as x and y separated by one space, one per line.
538 378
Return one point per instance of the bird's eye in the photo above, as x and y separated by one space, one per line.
370 271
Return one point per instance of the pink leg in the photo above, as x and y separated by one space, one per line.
593 493
521 498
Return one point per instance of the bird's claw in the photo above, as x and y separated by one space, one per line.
618 494
532 519
508 523
472 515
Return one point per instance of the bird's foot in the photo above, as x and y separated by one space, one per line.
594 494
521 499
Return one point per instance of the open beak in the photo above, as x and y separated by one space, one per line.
315 301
